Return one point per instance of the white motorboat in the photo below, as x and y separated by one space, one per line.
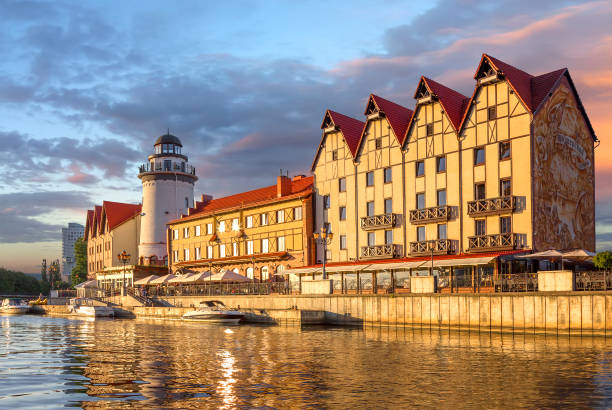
14 306
214 311
86 307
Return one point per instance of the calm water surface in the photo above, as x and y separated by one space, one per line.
48 362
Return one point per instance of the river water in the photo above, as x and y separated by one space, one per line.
49 362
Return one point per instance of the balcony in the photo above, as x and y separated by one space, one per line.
497 242
380 252
175 167
492 206
433 214
439 247
378 221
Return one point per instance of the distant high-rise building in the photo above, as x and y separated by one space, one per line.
70 234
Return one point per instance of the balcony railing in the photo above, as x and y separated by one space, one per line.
439 247
500 241
380 251
433 214
175 167
491 206
378 221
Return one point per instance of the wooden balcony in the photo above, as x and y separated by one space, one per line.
497 242
369 223
492 206
380 252
433 214
439 246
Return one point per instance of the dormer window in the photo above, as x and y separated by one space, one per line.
487 73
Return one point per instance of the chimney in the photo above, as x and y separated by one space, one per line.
298 177
206 199
283 186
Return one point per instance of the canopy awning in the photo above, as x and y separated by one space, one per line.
88 284
459 262
146 281
551 253
181 278
228 276
163 279
300 271
395 265
199 277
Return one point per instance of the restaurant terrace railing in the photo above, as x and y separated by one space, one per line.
500 241
380 251
433 214
438 246
174 167
378 221
219 289
491 206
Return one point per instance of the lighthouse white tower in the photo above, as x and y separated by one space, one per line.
167 192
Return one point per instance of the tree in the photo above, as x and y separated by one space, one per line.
18 283
43 271
54 274
603 260
79 272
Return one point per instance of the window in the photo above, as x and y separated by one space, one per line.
491 113
281 243
334 155
389 237
265 246
249 273
420 168
388 206
479 191
442 231
222 226
505 224
186 254
198 255
388 175
197 230
209 229
235 224
441 197
222 250
342 241
479 156
370 178
249 247
185 232
420 233
209 252
264 273
504 150
249 221
378 143
480 227
420 200
235 248
175 234
371 239
342 185
370 208
175 256
264 219
297 213
167 165
505 187
326 202
441 164
342 213
429 129
186 200
280 216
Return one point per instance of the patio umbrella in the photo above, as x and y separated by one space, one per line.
163 279
228 276
199 277
181 278
578 255
548 255
146 281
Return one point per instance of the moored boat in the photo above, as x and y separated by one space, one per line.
14 306
214 311
86 307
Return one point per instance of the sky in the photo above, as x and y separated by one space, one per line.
87 87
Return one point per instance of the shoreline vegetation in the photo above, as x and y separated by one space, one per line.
19 283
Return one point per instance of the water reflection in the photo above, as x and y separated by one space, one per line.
146 363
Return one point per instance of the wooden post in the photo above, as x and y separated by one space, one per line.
452 275
473 283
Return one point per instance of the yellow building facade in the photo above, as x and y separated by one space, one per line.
257 234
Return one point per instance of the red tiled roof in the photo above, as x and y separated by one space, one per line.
453 102
299 187
519 80
399 117
542 85
88 222
97 216
350 127
118 212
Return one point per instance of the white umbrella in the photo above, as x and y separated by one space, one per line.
199 277
181 278
578 255
228 276
146 281
163 279
549 254
87 284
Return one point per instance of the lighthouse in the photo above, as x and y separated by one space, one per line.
167 193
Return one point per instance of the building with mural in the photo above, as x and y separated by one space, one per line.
456 183
257 234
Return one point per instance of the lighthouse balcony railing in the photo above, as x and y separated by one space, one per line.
175 167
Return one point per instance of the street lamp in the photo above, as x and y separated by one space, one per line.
124 257
325 238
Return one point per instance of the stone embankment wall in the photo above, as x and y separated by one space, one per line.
566 312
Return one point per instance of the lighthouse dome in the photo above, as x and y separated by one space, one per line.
168 139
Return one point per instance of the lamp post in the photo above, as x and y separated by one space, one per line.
325 238
124 257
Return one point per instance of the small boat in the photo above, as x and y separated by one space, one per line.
14 306
214 311
85 307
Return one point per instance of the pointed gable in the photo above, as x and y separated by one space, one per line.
453 102
88 223
97 216
542 85
116 212
350 128
518 79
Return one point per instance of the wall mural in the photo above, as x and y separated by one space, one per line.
564 195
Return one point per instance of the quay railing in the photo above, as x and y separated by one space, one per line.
221 289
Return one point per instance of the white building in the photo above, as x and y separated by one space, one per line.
167 193
70 234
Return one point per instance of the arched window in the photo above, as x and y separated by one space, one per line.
265 275
186 202
249 273
236 270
